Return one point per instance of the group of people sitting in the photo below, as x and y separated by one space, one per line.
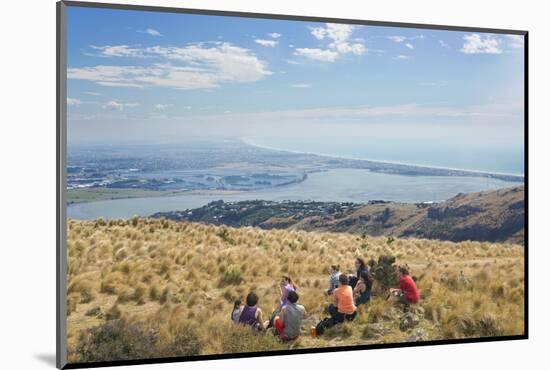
348 292
286 319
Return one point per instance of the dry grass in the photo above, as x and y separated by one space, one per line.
160 275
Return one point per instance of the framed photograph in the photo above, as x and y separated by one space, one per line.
239 185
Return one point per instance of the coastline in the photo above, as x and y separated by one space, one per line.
91 195
375 161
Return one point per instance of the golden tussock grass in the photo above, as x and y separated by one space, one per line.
164 279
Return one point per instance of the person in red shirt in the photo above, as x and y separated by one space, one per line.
407 292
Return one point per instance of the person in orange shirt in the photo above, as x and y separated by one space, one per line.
343 307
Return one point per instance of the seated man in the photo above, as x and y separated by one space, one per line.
251 314
290 318
407 293
343 307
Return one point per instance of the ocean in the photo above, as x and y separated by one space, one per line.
477 156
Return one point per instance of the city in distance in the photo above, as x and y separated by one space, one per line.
128 180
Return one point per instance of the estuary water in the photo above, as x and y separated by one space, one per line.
341 185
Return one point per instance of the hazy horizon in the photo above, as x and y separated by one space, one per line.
139 77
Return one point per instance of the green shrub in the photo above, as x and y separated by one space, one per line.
233 338
224 235
119 340
116 340
231 277
384 272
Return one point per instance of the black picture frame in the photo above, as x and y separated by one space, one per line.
61 157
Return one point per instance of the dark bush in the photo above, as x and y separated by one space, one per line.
231 277
116 340
224 235
384 272
119 340
239 339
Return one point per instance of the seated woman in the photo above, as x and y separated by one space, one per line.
251 314
362 291
343 307
237 309
285 287
361 267
290 318
407 293
334 271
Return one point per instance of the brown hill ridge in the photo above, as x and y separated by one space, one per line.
497 216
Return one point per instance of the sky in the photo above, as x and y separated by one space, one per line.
138 77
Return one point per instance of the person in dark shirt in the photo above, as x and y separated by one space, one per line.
251 314
361 267
362 291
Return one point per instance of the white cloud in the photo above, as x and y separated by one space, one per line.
478 44
397 39
152 32
274 35
444 44
72 101
515 41
292 62
345 48
301 86
115 105
317 54
92 93
401 57
194 66
402 39
338 35
333 31
269 43
318 32
162 106
117 51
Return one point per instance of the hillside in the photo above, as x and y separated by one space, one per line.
159 288
495 216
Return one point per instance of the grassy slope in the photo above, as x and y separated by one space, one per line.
169 273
